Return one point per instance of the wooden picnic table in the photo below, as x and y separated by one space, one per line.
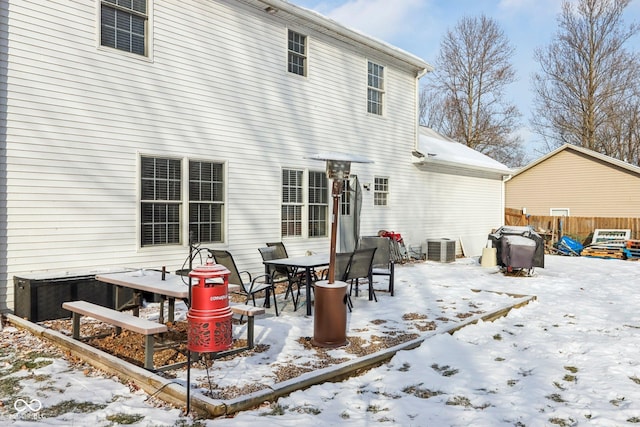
171 287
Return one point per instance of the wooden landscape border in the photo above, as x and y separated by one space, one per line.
175 394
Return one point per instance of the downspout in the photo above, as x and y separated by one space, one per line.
416 136
505 178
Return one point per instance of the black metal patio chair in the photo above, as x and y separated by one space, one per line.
252 285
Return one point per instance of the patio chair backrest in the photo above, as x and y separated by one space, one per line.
343 259
225 259
279 252
361 263
280 249
382 258
277 273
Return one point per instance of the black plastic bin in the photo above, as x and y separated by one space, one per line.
39 297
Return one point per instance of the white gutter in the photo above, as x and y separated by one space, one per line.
426 160
275 7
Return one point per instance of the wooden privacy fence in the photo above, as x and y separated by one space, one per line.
576 227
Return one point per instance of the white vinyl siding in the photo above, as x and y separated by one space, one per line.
76 129
460 208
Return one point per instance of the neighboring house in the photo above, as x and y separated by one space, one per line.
575 181
461 192
128 126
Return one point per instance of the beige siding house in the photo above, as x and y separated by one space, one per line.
575 181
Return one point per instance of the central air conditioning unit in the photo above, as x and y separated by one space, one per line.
442 250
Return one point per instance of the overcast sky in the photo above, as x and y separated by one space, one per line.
418 26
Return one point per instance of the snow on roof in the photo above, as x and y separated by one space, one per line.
347 34
437 148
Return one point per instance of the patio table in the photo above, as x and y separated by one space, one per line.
173 286
308 263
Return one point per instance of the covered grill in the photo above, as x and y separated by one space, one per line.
518 248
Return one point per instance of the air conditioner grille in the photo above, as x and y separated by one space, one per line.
442 250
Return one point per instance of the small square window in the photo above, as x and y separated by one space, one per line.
123 25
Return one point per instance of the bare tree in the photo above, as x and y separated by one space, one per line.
465 97
586 92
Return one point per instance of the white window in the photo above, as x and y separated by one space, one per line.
375 88
162 202
559 211
292 202
206 201
293 224
123 25
318 204
297 58
345 197
381 191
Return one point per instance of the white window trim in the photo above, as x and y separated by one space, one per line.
306 54
382 91
148 42
388 192
305 205
551 211
184 201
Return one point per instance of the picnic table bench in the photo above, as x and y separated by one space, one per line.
118 319
149 328
249 311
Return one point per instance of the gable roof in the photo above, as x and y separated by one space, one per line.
585 151
322 24
437 149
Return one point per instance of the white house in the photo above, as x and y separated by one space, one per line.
130 125
463 192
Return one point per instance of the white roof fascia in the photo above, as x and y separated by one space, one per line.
431 160
330 27
457 155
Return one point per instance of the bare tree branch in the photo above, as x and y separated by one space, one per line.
586 91
465 97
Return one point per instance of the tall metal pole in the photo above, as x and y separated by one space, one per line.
336 191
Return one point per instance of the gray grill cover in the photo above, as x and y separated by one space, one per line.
518 247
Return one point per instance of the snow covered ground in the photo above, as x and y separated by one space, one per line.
569 358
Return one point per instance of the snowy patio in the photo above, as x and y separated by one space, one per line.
567 358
